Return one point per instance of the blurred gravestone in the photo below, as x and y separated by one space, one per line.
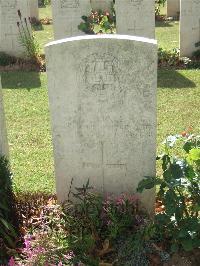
9 32
136 17
102 93
101 4
173 8
189 27
34 9
67 16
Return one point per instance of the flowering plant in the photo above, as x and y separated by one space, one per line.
179 191
98 22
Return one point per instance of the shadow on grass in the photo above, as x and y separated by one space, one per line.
20 80
161 24
174 80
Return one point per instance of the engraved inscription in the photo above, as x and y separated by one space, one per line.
70 3
10 11
101 75
136 2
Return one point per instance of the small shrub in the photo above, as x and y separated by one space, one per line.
98 22
168 58
6 59
27 38
9 229
179 191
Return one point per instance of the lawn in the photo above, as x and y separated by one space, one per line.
26 106
27 112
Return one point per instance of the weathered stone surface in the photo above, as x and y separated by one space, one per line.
67 16
3 134
101 4
173 8
9 32
102 93
189 26
34 9
136 17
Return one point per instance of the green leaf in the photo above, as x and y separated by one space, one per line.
97 28
194 154
174 247
187 244
146 183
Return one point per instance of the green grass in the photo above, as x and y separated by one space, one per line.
28 127
26 106
44 34
167 34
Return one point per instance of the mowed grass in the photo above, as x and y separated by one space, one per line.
28 123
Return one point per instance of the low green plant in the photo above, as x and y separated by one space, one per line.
27 38
96 224
179 191
6 59
168 58
8 220
158 4
98 22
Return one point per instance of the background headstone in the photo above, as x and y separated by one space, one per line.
102 93
173 8
101 4
9 32
189 26
3 135
34 9
136 17
67 16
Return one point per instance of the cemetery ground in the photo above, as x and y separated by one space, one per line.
31 153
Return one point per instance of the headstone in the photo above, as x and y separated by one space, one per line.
67 16
101 4
173 8
102 93
3 135
189 26
34 9
136 17
9 32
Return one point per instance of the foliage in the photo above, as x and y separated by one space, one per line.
158 4
168 58
96 225
6 59
90 230
27 38
179 190
44 3
8 219
98 22
46 242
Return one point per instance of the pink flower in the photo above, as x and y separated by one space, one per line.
11 262
69 256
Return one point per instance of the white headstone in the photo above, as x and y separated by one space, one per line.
189 26
173 8
9 32
67 16
101 4
34 9
102 93
3 135
136 17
